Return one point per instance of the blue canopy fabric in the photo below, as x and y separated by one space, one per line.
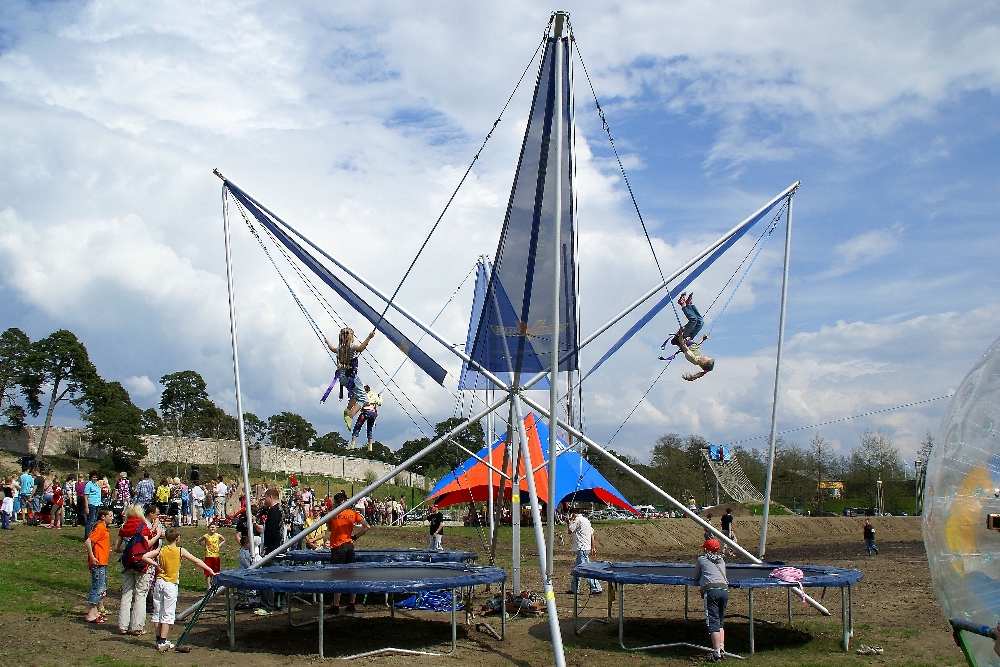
514 331
683 285
576 479
405 345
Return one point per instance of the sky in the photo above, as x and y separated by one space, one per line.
355 124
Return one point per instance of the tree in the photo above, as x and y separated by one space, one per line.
924 453
59 362
15 350
254 428
447 456
116 425
822 461
290 430
379 452
875 458
151 422
331 443
214 422
184 398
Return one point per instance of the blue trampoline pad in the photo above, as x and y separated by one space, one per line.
362 577
741 575
381 556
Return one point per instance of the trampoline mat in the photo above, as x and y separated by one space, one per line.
363 577
381 556
740 575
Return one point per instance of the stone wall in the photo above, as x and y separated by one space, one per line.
207 451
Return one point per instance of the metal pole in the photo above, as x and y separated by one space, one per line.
513 434
550 505
540 546
719 535
241 433
772 439
350 502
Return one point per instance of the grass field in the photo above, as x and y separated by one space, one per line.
44 582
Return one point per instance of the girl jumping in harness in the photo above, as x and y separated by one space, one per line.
347 371
369 413
684 338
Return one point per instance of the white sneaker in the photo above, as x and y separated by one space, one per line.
164 646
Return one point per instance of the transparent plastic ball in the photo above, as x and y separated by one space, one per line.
962 491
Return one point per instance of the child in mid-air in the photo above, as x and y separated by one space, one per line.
167 560
684 338
212 541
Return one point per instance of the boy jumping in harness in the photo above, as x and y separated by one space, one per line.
684 338
347 371
369 413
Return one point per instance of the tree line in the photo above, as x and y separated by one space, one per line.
677 466
57 369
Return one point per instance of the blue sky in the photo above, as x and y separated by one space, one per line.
355 125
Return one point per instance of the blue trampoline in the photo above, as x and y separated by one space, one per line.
741 575
388 578
381 556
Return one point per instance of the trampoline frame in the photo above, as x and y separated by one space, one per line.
320 621
616 587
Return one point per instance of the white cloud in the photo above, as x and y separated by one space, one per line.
140 386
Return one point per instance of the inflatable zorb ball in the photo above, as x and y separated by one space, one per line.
962 492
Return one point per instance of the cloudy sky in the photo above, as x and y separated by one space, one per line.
355 123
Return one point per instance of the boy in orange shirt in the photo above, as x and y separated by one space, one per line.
167 560
98 545
342 542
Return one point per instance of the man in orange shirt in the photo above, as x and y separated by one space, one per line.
342 539
98 545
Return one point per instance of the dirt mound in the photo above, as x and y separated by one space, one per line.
648 539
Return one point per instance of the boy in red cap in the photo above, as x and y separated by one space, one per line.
710 571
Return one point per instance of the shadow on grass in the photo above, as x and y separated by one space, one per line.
768 637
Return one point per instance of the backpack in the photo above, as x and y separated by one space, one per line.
135 549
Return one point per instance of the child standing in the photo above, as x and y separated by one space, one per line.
7 509
710 571
167 559
98 545
212 541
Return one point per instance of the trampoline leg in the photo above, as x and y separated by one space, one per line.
846 643
789 591
320 621
454 629
230 618
621 615
686 593
503 610
750 615
850 611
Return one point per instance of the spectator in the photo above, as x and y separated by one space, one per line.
167 560
317 538
56 512
274 532
69 494
298 518
98 543
185 503
220 492
869 533
583 544
163 497
92 492
145 489
212 541
27 483
436 520
7 506
38 492
710 571
197 495
123 489
176 492
81 502
137 576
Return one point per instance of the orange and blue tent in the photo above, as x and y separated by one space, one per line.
576 479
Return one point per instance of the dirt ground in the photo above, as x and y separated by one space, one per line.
895 608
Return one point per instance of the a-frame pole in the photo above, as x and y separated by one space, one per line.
241 432
548 591
550 505
777 381
515 495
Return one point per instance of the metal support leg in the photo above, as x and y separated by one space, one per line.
750 616
320 621
407 651
846 641
230 618
686 594
596 619
850 610
789 591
